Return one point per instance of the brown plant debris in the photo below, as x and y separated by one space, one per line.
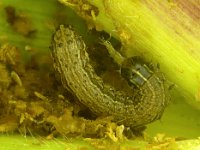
32 101
19 22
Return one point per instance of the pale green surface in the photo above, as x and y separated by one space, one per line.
16 142
180 119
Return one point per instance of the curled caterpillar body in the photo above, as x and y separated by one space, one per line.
72 62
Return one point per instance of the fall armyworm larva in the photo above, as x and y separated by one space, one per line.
72 62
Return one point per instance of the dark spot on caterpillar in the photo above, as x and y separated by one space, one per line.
60 45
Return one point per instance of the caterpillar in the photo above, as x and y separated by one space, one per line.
72 62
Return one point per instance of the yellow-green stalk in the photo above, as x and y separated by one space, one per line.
165 32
